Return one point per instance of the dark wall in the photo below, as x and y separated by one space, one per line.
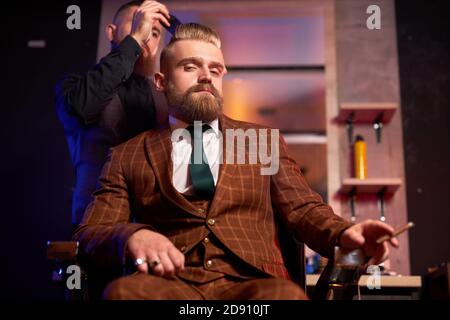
35 169
423 29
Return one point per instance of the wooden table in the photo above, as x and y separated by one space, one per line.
390 287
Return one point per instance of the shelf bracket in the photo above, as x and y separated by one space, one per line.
352 200
349 122
380 196
378 126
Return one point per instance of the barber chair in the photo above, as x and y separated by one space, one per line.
338 281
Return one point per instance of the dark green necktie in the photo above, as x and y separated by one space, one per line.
201 176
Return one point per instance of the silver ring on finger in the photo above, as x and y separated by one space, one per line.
139 261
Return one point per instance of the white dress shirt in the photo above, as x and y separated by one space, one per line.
181 155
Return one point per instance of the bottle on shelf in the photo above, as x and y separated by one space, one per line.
360 151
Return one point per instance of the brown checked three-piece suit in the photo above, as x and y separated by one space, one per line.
230 242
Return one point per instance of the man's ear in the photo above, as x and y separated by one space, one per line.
159 81
110 30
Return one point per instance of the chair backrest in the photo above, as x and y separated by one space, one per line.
293 255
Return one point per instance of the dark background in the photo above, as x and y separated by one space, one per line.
35 169
423 33
36 173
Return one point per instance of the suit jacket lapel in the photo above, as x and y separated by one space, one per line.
158 145
226 170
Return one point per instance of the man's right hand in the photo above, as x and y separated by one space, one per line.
148 13
153 246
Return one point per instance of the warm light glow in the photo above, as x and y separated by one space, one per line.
235 99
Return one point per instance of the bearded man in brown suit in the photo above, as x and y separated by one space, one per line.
206 231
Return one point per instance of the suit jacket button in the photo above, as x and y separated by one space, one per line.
183 248
206 240
209 263
211 222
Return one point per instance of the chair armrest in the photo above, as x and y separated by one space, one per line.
60 255
62 251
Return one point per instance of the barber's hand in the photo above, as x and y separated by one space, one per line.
364 235
148 13
153 246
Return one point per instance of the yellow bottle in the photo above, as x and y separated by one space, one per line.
360 158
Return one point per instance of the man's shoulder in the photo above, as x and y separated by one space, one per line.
134 143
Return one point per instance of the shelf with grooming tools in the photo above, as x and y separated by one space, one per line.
377 115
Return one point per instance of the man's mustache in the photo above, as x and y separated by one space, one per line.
204 87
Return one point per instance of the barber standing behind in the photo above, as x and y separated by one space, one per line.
112 102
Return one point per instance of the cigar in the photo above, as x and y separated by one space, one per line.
396 232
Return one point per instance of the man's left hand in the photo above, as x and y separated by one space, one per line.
364 235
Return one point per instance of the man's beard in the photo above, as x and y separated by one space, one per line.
192 107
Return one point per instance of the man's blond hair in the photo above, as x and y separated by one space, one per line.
191 31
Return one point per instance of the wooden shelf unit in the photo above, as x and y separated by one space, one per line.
370 185
366 112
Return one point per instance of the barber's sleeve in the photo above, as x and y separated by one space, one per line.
106 225
87 95
305 215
